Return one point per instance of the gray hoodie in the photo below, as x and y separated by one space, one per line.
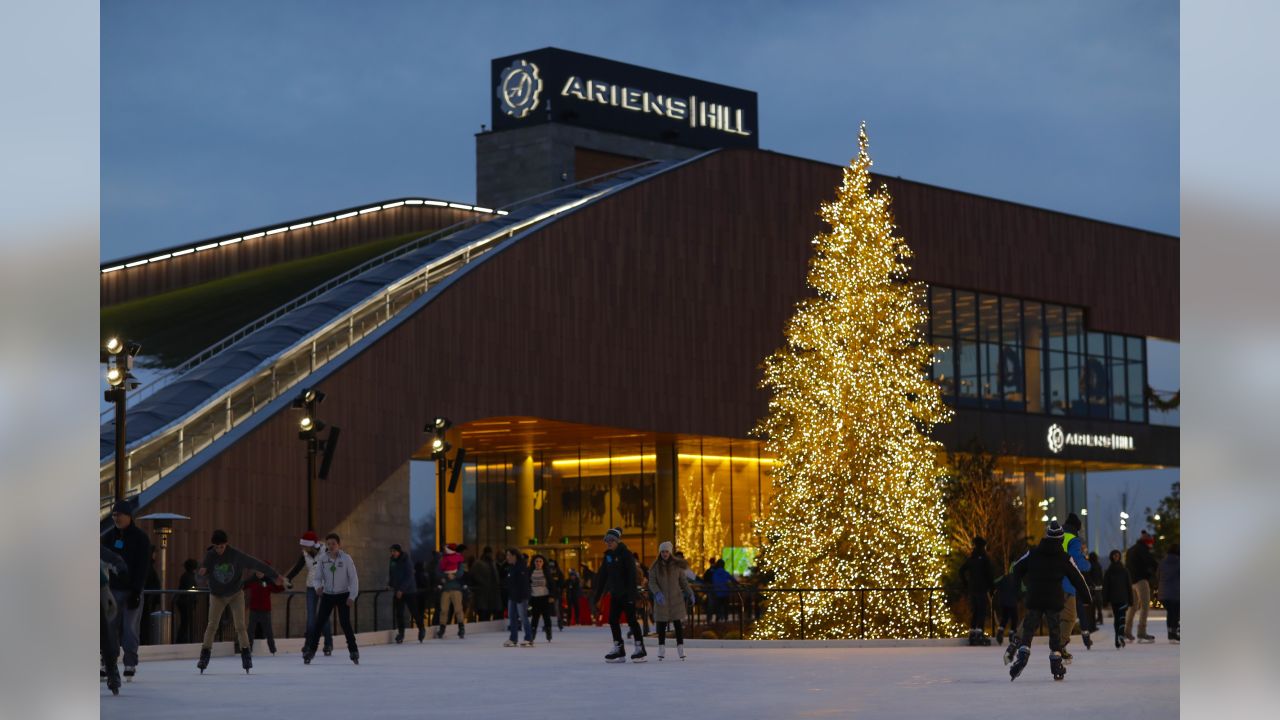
226 572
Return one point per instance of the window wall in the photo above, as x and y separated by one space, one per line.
1010 354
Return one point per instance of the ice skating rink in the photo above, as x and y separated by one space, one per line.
478 678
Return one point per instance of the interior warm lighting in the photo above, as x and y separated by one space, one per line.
412 202
723 458
477 208
604 460
484 432
114 345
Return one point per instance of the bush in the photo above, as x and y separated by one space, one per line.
709 635
733 635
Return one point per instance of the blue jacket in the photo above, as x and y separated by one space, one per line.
1071 543
721 581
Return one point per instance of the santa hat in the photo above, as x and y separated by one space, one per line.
309 539
451 548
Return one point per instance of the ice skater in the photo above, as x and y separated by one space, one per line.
224 568
979 580
336 580
671 597
1041 570
617 577
311 547
132 544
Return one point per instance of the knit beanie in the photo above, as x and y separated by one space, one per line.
666 545
1054 531
614 533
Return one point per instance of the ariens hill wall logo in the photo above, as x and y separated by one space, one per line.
519 88
1058 439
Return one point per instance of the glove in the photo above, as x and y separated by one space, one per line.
134 600
659 598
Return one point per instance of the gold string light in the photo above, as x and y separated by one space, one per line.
858 499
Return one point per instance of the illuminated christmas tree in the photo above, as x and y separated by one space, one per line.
858 498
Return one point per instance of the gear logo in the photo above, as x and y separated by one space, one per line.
1057 439
519 88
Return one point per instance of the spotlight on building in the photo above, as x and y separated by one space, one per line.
309 428
118 356
114 346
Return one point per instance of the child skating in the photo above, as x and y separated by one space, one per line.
671 597
1041 570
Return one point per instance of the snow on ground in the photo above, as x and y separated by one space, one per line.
477 678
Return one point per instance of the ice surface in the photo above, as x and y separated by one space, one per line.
477 678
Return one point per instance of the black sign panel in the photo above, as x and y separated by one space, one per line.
551 85
1067 439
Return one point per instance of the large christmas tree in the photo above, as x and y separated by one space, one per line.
858 498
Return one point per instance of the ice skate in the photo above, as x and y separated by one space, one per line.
439 633
246 660
1119 640
400 637
526 643
1066 656
1086 639
328 650
1175 636
662 652
639 655
509 643
1011 649
1142 638
112 676
422 634
617 655
1056 666
1024 654
307 654
548 634
462 631
1000 636
680 650
203 662
131 670
355 656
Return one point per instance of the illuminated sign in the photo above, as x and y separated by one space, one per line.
1058 439
558 86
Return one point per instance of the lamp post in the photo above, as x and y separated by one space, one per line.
439 453
162 523
308 426
118 356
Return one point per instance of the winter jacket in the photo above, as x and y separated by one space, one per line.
721 581
483 579
617 574
977 574
306 562
400 574
134 547
1117 589
1042 569
517 581
336 575
1075 549
1140 562
1008 590
667 577
259 591
1169 578
225 573
451 562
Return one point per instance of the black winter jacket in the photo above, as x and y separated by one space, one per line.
1116 588
977 574
517 581
400 574
617 574
134 547
1141 563
1041 571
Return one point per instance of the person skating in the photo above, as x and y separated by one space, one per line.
671 597
543 589
1117 591
1008 590
132 544
1041 570
979 580
338 583
516 586
260 591
400 581
1142 568
1071 604
109 563
311 546
617 577
452 570
1170 593
224 568
486 586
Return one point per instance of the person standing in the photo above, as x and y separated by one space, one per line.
1170 594
557 583
671 597
260 592
1117 591
311 546
542 590
1008 590
1042 570
1094 576
336 580
721 584
134 547
452 570
400 581
484 580
979 579
1071 604
617 577
1142 570
516 585
224 568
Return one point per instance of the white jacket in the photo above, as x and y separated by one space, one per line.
336 575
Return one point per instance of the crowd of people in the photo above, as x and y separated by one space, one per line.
1061 586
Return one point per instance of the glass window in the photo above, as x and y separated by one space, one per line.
1076 404
1034 392
1136 349
966 314
1075 329
989 318
1095 382
1097 344
1032 323
990 360
944 372
1137 392
940 312
1115 346
1055 322
1010 321
1012 377
1057 382
1116 399
968 382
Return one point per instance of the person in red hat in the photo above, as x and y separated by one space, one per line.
451 571
311 545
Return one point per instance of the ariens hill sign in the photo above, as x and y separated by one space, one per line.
552 85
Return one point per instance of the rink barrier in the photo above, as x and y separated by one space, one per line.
744 604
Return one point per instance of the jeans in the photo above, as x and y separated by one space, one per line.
518 613
128 626
1032 622
327 604
313 603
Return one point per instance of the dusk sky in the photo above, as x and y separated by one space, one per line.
218 117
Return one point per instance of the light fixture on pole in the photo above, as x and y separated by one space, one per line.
440 448
118 356
309 428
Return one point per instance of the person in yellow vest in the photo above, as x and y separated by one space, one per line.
1075 550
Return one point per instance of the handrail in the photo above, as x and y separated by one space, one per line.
146 389
752 599
167 448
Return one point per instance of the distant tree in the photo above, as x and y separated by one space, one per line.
979 503
1165 521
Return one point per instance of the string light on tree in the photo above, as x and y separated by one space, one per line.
858 496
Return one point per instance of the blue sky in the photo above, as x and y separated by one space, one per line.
222 116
